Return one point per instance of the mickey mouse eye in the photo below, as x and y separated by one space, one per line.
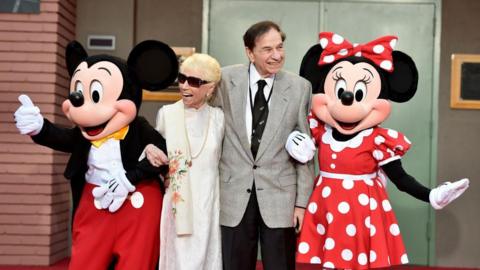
340 87
96 91
78 87
360 90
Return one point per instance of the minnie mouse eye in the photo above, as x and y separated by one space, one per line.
360 91
340 87
96 90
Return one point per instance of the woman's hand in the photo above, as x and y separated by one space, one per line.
155 156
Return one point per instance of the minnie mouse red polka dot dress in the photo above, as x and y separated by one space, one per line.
349 222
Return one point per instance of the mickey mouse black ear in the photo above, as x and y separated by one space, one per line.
74 55
404 78
153 64
310 70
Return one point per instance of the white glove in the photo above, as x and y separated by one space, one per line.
112 194
442 195
27 117
300 146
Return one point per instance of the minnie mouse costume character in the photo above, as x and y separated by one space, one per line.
349 222
116 198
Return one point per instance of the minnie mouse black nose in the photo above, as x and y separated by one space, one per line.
76 98
347 98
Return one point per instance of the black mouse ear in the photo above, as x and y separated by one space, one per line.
403 80
153 65
74 55
310 70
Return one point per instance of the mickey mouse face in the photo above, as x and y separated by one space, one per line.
97 110
351 98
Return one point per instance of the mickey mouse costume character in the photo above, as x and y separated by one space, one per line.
349 222
116 198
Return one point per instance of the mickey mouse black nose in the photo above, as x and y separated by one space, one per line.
76 98
347 98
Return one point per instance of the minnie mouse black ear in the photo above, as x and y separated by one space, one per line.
74 55
153 65
404 78
310 70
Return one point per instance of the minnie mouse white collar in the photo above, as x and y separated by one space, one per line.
338 146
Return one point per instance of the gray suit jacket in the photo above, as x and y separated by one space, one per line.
281 183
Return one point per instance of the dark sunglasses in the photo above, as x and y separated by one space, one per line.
192 81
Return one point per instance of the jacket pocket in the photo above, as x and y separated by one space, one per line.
287 180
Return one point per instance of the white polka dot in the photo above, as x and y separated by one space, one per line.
407 140
343 52
329 218
373 256
315 260
323 42
404 258
326 192
303 247
393 43
351 230
313 123
386 64
392 133
379 184
343 207
355 45
394 230
362 259
312 207
320 229
319 182
328 58
377 154
367 222
363 199
329 244
386 205
358 54
347 255
334 156
328 265
373 204
337 39
368 182
378 49
347 184
373 230
379 140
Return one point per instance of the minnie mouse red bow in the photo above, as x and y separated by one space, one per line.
379 51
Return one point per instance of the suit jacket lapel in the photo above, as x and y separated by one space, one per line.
238 99
277 109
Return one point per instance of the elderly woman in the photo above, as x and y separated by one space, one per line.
190 230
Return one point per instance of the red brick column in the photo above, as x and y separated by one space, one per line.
34 195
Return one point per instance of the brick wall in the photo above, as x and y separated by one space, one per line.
34 196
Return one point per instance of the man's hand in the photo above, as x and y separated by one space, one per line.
300 146
444 194
27 117
298 214
155 156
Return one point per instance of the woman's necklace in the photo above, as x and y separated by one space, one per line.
194 156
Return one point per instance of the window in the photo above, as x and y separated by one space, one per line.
20 6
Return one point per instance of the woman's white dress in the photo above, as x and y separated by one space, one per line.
201 249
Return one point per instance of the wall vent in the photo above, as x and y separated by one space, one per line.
101 42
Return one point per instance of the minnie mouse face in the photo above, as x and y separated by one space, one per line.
350 102
356 88
105 91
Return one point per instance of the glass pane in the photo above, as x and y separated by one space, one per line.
20 6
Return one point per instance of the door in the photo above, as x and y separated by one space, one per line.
359 22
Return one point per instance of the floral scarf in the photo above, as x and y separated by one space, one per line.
179 163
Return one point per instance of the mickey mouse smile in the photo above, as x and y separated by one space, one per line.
94 131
